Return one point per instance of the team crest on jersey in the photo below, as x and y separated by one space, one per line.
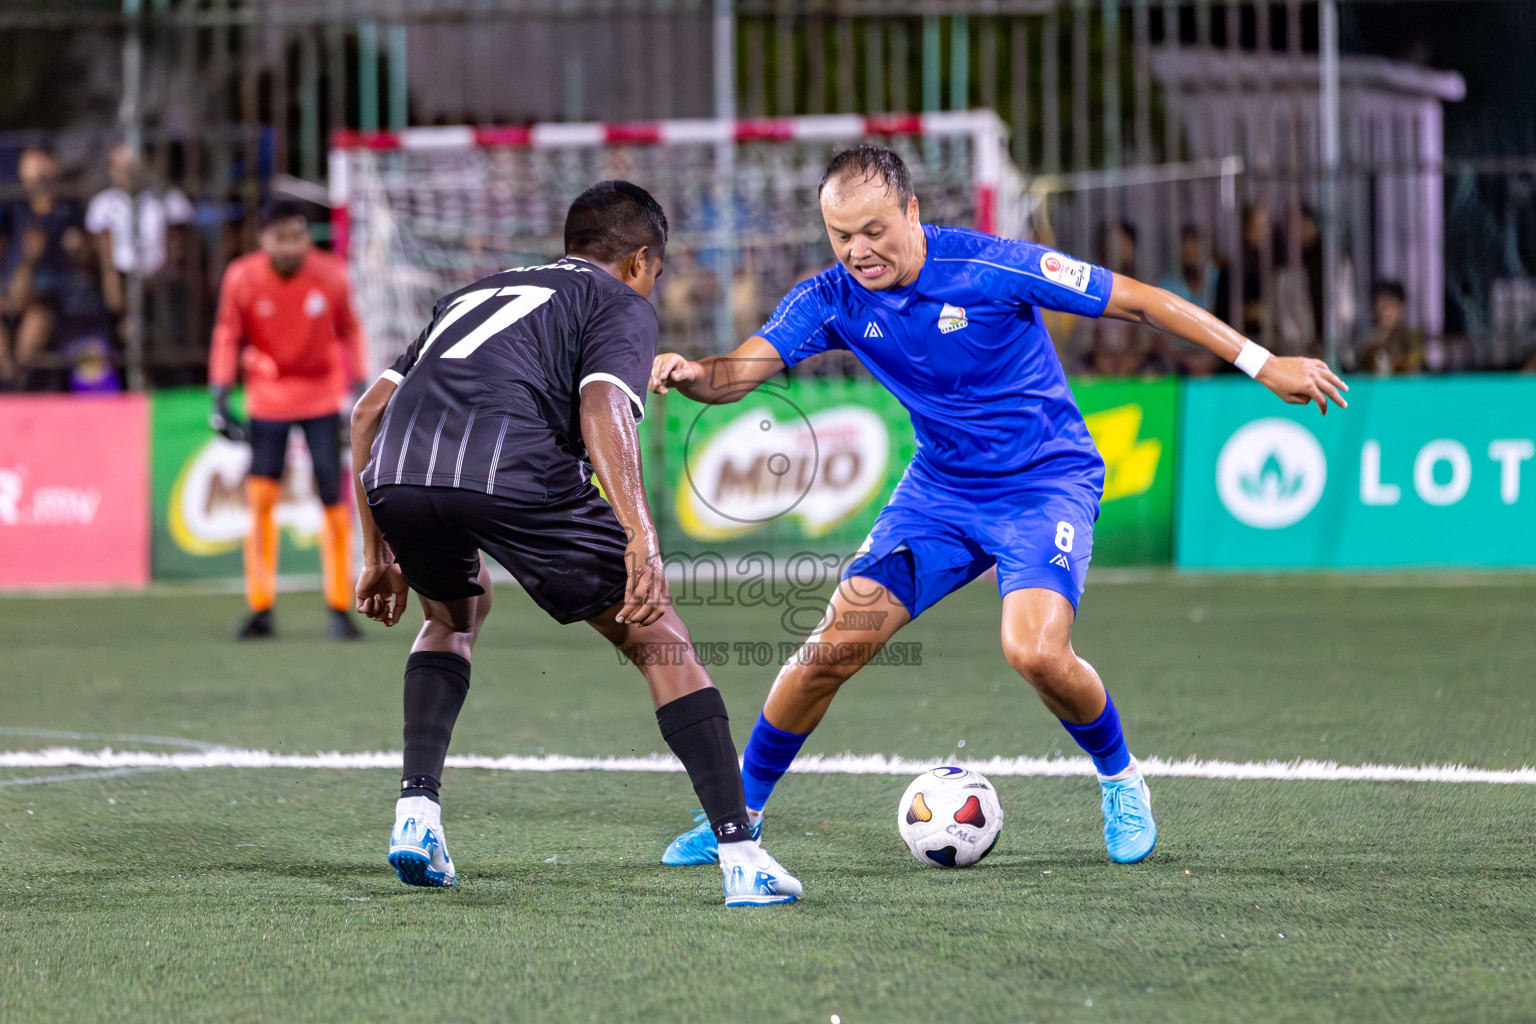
873 331
315 304
951 318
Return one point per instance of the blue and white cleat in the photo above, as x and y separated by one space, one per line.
698 845
418 851
1129 831
754 879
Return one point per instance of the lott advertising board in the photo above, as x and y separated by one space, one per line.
1418 472
73 491
200 515
806 465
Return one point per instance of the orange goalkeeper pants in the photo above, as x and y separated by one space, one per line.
261 545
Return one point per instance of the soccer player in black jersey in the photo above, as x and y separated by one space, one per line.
484 436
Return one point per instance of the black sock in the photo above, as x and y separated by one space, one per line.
695 726
436 684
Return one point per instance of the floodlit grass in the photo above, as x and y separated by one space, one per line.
237 895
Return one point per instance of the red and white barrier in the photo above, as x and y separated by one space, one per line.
984 126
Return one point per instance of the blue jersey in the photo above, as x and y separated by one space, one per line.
964 350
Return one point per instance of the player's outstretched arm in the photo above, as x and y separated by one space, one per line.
608 431
381 588
1298 380
718 380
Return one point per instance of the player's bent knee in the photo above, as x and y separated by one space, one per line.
817 682
1039 663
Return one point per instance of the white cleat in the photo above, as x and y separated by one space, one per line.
753 878
418 851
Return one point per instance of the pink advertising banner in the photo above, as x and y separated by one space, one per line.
74 491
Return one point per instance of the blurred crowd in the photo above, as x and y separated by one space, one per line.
68 263
66 266
1274 293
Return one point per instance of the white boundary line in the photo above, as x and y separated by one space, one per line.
839 764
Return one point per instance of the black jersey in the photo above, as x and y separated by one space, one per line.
489 394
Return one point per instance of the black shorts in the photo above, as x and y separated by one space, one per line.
568 553
269 451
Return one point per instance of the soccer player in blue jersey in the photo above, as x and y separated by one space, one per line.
1005 474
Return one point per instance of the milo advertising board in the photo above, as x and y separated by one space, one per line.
805 465
200 516
795 464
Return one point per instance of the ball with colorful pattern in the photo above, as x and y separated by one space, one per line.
950 817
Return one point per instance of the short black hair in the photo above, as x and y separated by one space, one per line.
872 162
612 219
1390 289
283 209
1125 227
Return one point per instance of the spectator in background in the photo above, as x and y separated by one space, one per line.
136 248
78 305
1118 347
1392 347
680 298
1194 280
286 319
1250 318
1298 287
28 329
145 230
1118 243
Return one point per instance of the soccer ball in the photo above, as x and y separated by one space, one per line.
950 817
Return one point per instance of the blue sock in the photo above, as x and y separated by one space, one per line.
767 757
1102 739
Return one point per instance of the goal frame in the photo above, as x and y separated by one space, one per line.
987 131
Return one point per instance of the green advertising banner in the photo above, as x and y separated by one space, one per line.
797 463
807 464
198 489
1133 423
1416 472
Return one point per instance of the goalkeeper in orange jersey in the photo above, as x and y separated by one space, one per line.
286 320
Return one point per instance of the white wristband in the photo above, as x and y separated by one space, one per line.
1252 358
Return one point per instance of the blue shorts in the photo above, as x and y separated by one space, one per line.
938 534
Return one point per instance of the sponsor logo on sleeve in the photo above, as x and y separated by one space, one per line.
1064 270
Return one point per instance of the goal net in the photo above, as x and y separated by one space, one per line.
422 212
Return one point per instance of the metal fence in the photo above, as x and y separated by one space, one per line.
1135 112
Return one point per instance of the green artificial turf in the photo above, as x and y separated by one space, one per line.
261 894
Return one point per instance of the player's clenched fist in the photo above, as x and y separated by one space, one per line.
382 592
669 369
1300 380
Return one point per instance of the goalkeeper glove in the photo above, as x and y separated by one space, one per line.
225 422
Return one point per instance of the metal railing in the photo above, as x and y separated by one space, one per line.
234 93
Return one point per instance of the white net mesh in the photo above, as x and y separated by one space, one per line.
425 222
